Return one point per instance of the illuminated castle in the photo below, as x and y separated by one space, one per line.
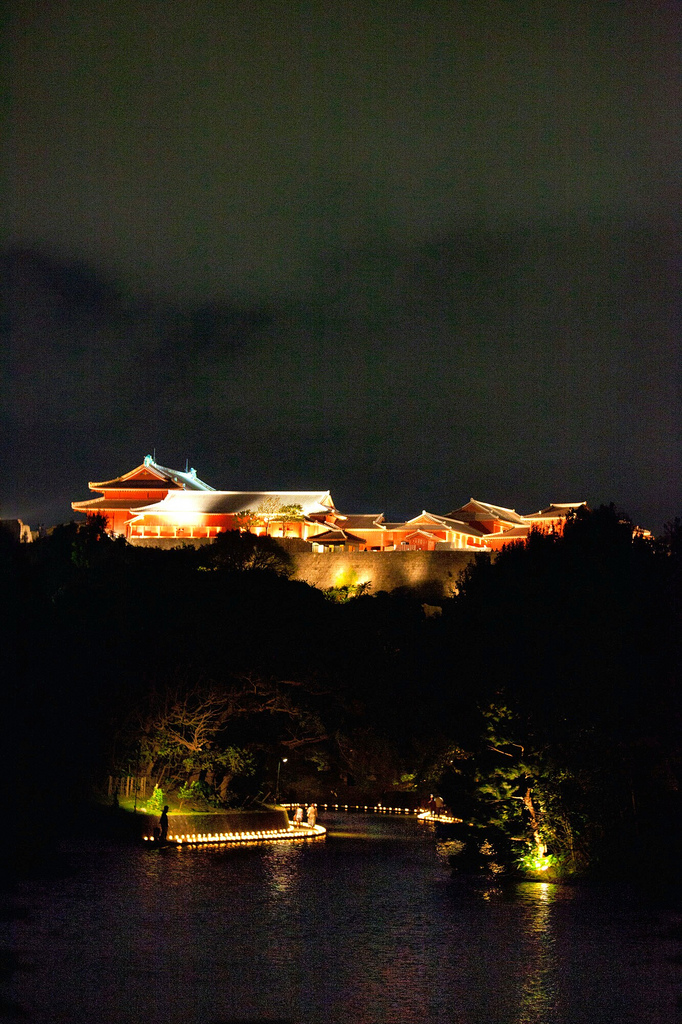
153 503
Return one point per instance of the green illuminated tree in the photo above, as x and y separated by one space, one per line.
270 510
289 514
575 636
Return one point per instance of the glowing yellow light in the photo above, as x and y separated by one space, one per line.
537 861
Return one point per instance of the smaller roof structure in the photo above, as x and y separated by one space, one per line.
516 533
335 536
368 521
421 531
480 511
428 520
556 510
500 540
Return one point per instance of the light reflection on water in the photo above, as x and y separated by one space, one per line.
538 994
368 927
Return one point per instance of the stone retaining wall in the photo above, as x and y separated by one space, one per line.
431 575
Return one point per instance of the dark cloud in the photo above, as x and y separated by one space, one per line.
411 252
216 149
522 367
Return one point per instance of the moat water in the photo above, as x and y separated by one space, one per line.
365 927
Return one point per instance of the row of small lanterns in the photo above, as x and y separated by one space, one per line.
380 809
243 837
446 819
377 809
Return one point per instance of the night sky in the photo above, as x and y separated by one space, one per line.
412 252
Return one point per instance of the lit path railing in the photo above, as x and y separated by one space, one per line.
365 808
380 809
278 835
445 818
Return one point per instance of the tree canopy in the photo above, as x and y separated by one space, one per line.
543 703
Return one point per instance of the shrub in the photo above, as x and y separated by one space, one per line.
155 803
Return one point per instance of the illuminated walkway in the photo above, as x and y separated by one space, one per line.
368 808
278 835
444 818
381 809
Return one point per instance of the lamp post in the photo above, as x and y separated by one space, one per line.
280 762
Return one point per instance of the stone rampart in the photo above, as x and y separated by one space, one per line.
431 575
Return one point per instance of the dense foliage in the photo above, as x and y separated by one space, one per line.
543 703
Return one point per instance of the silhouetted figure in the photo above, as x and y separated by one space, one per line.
163 823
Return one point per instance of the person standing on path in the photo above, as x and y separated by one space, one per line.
163 823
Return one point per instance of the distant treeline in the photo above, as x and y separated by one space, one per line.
542 704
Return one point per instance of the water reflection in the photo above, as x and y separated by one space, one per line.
368 928
538 988
282 868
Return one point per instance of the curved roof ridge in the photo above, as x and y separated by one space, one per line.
186 480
